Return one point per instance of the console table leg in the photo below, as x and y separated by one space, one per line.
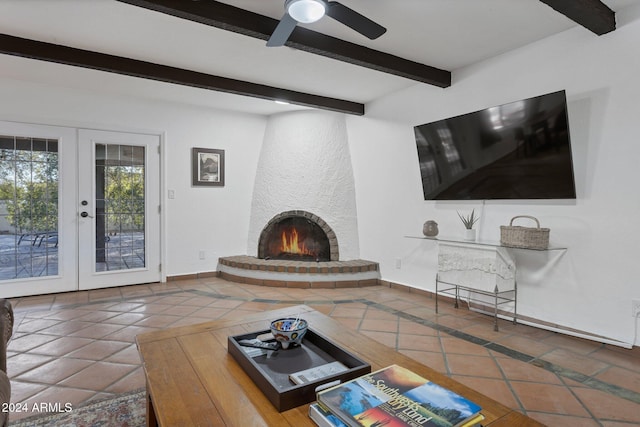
495 313
457 297
515 303
436 294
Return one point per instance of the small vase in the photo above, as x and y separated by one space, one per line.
470 234
430 228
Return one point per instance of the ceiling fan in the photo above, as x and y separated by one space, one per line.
308 11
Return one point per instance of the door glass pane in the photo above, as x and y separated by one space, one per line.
120 207
28 207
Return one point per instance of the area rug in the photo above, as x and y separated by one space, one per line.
124 410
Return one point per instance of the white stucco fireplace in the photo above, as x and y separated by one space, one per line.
304 186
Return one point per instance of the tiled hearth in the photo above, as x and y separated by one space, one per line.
299 274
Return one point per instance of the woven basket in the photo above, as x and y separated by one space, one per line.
524 237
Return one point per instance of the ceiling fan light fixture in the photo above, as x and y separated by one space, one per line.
306 11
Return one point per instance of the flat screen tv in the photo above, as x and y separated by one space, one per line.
519 150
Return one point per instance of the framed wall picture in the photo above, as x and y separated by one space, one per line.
207 167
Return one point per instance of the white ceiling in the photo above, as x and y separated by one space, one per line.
447 34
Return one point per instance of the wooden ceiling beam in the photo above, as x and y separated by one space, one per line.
26 48
231 18
591 14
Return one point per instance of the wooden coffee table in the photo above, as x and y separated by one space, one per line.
193 381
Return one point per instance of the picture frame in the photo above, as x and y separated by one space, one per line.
207 167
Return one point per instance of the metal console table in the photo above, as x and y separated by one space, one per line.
481 270
485 270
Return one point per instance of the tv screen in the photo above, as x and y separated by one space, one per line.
519 150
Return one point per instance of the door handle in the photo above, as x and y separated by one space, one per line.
85 215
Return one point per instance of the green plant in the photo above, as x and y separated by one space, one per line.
469 220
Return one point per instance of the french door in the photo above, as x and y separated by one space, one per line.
118 209
79 209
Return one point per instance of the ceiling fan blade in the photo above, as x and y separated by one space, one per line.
283 31
353 19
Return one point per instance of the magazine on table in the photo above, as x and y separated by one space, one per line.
397 397
324 418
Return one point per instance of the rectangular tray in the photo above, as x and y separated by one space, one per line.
271 372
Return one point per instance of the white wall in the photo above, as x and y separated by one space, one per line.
590 286
213 220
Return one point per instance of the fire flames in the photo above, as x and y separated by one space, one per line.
291 245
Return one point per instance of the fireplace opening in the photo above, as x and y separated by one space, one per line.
297 236
297 239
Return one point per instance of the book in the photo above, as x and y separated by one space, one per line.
324 418
396 397
313 374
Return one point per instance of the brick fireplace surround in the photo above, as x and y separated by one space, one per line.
299 274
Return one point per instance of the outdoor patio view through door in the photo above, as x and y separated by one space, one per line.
29 207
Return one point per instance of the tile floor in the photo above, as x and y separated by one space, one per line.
79 346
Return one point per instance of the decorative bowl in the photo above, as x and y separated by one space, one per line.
289 330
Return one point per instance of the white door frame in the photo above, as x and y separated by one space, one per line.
88 277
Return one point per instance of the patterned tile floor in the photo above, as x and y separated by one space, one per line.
75 347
